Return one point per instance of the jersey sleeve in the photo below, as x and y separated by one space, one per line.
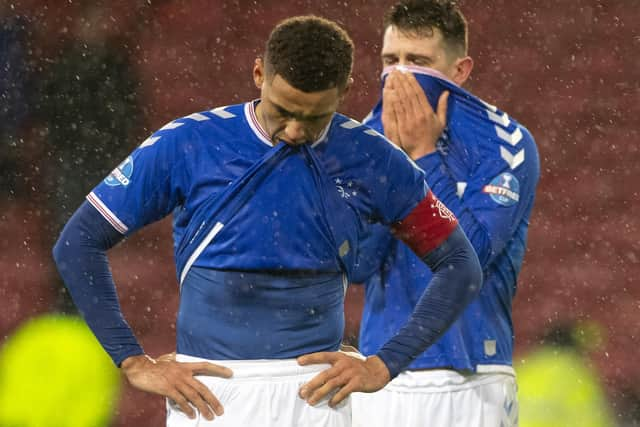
406 204
495 196
148 184
400 187
427 226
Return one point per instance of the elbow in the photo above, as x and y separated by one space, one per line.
66 248
59 252
474 275
469 266
457 259
72 239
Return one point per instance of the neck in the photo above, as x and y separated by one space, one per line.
261 121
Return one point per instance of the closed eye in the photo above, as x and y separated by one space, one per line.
389 60
303 118
283 113
419 60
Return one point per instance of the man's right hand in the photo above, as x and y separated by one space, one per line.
175 380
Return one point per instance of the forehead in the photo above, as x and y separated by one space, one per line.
399 42
307 103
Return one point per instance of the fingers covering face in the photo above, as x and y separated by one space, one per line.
390 113
412 95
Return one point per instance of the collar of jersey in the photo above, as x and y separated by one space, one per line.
416 70
263 136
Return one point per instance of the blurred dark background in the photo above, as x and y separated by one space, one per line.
82 83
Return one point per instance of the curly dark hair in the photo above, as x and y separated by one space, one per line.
420 17
310 53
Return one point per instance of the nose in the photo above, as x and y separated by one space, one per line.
294 132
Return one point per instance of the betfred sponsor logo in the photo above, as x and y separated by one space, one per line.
504 189
122 174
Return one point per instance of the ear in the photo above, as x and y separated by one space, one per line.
258 72
346 89
461 70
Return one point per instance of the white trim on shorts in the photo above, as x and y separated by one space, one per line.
496 369
263 393
441 380
256 370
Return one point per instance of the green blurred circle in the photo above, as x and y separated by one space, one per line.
54 373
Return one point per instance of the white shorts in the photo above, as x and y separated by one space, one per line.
440 398
262 393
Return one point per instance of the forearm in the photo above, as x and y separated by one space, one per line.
80 255
456 280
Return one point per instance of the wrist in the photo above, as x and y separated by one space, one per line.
132 363
417 153
430 163
379 368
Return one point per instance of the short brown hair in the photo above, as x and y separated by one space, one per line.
420 17
310 53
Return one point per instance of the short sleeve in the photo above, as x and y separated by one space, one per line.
148 184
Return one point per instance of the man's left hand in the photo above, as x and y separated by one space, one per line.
348 373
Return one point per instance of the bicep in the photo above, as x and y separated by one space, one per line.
143 189
428 225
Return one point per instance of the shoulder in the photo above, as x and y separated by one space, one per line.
508 140
488 124
197 128
361 137
507 128
218 119
481 132
370 153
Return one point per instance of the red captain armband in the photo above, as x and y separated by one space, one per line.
427 225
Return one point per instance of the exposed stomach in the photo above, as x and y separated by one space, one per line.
246 315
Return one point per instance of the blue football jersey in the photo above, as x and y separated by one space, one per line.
485 169
252 220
